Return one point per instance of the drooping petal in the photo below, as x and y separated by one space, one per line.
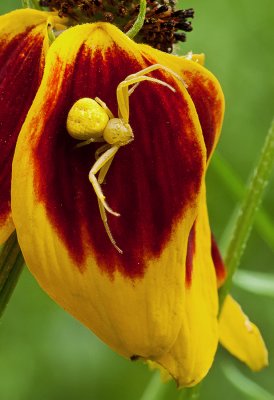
237 334
23 43
241 337
193 352
205 92
135 301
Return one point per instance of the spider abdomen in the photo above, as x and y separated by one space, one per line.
86 119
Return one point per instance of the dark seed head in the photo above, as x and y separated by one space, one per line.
162 24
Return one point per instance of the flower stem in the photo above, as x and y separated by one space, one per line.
25 3
190 393
247 210
155 388
11 265
31 4
138 24
36 5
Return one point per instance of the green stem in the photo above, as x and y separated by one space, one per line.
11 265
247 210
36 5
25 3
138 24
156 389
31 4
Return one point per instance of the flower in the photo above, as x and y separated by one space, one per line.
159 299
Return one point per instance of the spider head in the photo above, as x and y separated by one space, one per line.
118 132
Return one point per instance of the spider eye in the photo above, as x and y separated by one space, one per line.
86 119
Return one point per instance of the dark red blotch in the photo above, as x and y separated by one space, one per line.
191 246
219 265
151 181
208 103
20 67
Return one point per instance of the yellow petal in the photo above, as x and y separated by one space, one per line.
135 302
205 91
241 337
192 354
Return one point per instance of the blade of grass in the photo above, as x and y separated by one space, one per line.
247 210
251 389
11 265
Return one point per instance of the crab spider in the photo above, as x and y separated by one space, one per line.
90 120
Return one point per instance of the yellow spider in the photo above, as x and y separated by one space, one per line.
92 121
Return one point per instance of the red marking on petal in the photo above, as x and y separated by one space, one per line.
151 182
19 79
209 106
191 245
218 261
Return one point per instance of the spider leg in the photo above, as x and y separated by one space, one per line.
102 160
131 90
105 222
122 93
104 170
125 92
91 140
101 178
101 150
104 106
154 67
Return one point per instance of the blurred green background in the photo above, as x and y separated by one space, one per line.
47 355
